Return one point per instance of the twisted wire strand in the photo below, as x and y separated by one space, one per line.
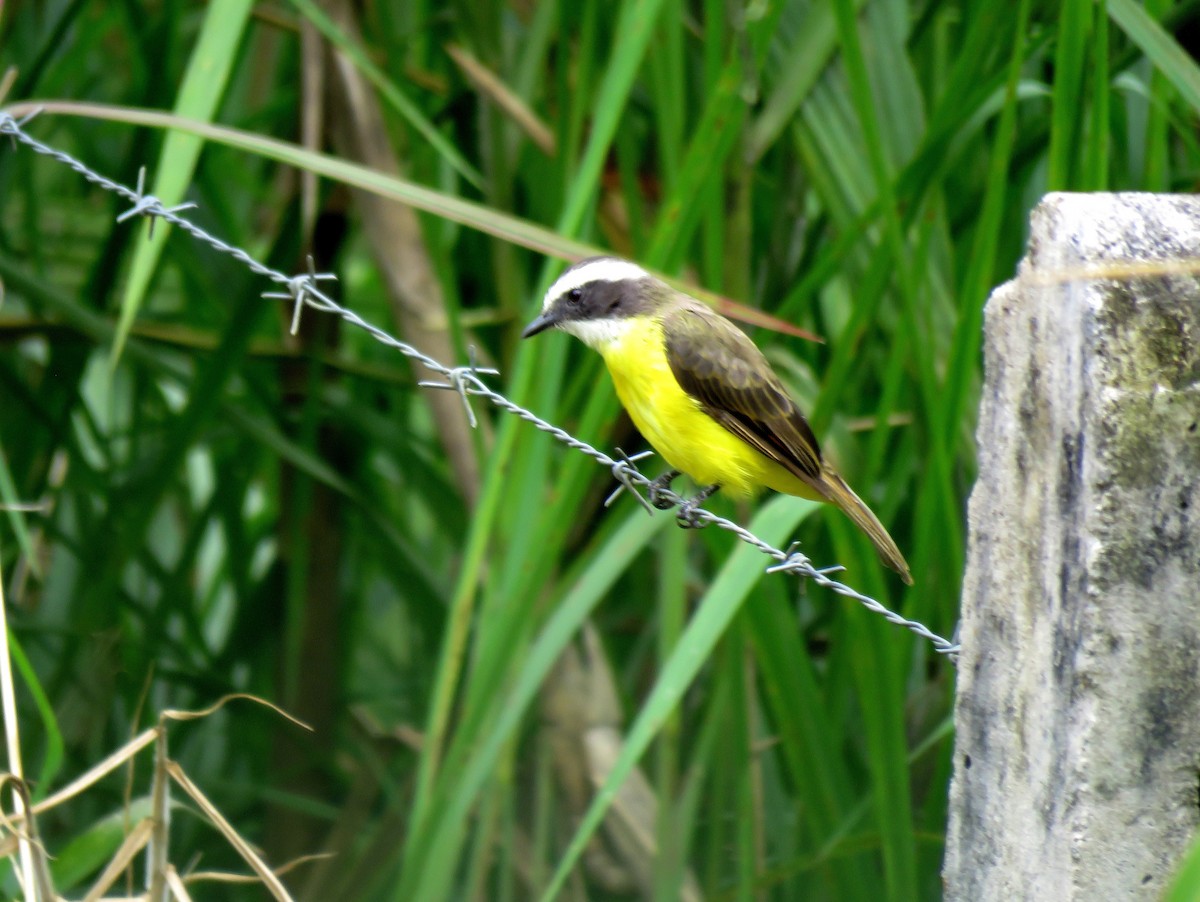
304 291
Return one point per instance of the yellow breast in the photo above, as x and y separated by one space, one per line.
674 423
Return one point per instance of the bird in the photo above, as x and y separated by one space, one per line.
700 391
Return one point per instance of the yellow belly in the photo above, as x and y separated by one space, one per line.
679 430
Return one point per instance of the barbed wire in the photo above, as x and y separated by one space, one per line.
303 290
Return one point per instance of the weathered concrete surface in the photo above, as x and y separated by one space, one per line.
1077 758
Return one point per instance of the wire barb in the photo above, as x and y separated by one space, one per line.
627 475
465 381
11 126
305 292
795 562
151 206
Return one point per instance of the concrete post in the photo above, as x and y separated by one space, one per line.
1077 756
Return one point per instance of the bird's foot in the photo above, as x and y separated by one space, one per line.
656 488
688 515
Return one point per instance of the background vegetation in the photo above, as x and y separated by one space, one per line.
231 509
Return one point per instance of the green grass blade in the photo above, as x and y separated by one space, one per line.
14 511
53 755
776 520
1185 887
203 84
477 216
388 90
636 26
804 63
1074 27
431 872
1157 163
1161 49
809 747
1096 178
982 262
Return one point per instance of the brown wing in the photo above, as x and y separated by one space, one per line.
718 365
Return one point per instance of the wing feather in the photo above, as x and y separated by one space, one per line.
718 365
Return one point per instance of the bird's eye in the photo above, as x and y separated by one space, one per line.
575 294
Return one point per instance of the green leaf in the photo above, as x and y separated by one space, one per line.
92 847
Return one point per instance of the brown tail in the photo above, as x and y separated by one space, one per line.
835 489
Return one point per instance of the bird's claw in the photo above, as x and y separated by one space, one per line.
657 491
688 515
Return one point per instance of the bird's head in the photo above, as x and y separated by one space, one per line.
596 299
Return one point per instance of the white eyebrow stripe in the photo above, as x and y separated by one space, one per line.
604 269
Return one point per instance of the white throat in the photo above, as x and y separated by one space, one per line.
600 334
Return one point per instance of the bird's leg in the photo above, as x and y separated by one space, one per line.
658 486
686 515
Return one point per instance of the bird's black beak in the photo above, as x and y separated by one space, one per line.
541 324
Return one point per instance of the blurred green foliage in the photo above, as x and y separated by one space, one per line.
229 508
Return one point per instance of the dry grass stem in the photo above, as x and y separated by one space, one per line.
134 843
172 714
178 890
243 848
